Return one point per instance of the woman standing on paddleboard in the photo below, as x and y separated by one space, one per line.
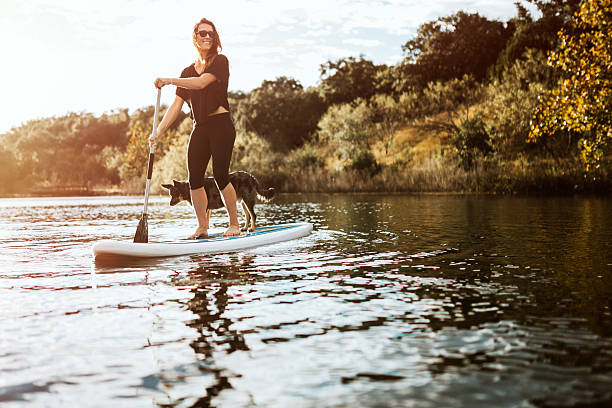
203 85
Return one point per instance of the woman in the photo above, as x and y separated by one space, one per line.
203 85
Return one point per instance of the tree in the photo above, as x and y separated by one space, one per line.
386 116
582 100
443 105
347 129
136 153
509 103
347 79
346 126
454 46
393 80
67 150
471 139
540 34
106 130
9 171
280 111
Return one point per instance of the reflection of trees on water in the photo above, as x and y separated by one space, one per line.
211 283
517 260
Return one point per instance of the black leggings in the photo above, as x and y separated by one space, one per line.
213 138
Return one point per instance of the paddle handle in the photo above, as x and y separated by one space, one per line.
152 152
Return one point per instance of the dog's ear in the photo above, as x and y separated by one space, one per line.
168 186
175 182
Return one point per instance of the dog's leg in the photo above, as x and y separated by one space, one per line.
247 216
250 207
208 217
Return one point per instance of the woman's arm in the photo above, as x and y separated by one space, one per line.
171 114
188 83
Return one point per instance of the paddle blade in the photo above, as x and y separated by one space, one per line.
142 232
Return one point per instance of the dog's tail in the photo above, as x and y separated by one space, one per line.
265 194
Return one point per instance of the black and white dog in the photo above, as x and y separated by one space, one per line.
246 186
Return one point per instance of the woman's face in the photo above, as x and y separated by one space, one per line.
205 43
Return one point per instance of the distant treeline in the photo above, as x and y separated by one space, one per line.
475 105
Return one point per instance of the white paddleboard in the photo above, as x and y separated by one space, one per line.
213 244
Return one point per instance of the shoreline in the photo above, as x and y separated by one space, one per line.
115 193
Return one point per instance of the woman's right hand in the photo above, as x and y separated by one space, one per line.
160 82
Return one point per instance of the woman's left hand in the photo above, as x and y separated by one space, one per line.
160 82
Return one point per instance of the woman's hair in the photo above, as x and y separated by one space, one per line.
214 50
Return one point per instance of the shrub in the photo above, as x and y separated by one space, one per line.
363 160
307 156
173 165
255 155
471 139
510 102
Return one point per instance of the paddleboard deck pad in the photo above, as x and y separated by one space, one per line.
213 244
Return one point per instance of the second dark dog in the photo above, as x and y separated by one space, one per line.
246 186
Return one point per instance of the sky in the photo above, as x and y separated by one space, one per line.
99 56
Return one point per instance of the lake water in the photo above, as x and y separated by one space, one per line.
392 301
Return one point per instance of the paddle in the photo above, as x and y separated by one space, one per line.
142 232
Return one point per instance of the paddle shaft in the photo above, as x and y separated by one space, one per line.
152 153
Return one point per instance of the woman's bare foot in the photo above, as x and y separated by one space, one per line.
200 232
232 231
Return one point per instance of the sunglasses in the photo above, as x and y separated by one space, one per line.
205 33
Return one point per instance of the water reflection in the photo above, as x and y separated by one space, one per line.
214 329
422 301
481 323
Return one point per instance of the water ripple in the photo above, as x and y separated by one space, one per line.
391 301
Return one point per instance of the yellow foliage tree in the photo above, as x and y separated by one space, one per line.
136 153
582 99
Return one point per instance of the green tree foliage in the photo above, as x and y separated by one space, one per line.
509 102
255 155
172 165
364 161
306 156
582 100
394 81
471 139
353 128
106 130
136 154
347 79
442 106
346 127
454 46
540 34
281 112
9 171
146 114
560 11
234 99
386 117
66 150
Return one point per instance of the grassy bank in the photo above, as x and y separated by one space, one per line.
433 175
517 177
417 162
